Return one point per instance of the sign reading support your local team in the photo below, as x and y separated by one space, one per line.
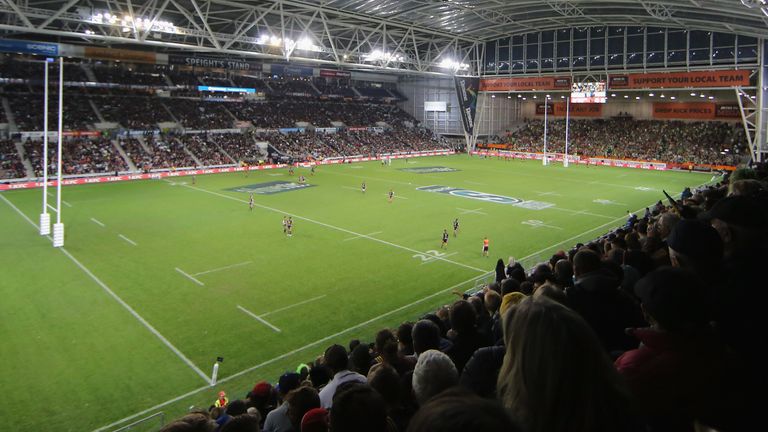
271 188
429 170
482 196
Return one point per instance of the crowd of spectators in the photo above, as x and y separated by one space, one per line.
710 142
138 113
129 75
205 149
241 147
655 326
79 156
10 162
138 155
168 153
28 111
201 115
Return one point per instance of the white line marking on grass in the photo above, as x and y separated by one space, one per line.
51 194
367 235
607 202
98 223
118 299
432 259
276 175
539 224
292 306
53 208
223 268
332 227
549 194
475 211
258 318
579 212
127 239
189 277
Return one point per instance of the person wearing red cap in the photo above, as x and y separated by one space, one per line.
315 420
222 400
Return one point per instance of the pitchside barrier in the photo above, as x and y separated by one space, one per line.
202 171
623 163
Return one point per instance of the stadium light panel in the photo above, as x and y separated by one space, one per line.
453 65
650 94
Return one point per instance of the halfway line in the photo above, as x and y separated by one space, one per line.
98 223
258 318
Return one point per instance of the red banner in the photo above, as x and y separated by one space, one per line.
684 110
557 109
520 83
719 78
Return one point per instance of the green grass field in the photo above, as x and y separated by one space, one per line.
158 278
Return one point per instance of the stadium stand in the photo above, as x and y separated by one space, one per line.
716 143
10 162
689 361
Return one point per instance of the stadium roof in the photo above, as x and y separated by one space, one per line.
412 35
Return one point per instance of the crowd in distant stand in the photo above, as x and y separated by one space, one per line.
10 162
655 326
80 156
667 141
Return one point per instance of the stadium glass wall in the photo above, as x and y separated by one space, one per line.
594 49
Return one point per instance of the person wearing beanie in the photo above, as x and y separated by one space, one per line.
434 373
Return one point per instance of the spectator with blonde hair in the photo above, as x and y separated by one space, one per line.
556 376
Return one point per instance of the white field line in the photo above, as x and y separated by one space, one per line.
292 305
290 353
475 211
51 194
188 276
432 259
397 196
98 223
117 298
548 194
579 212
357 237
334 227
223 268
258 318
53 208
127 239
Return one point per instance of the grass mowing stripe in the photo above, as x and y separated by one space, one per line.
332 227
116 297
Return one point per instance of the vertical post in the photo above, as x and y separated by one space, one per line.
45 218
567 124
58 227
546 106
